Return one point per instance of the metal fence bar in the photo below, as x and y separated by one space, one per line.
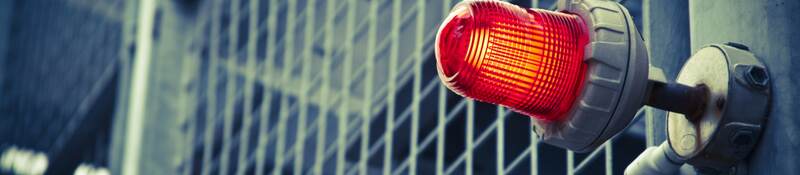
534 151
187 105
185 111
137 104
391 88
500 142
288 55
570 162
440 130
416 98
319 161
308 46
211 89
128 38
369 65
609 157
230 87
190 71
649 128
250 75
442 111
346 66
266 104
470 136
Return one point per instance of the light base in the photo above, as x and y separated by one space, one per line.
736 107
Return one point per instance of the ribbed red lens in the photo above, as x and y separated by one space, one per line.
529 60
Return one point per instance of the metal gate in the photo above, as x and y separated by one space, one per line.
321 87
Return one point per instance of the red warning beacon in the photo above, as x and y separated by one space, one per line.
573 70
527 59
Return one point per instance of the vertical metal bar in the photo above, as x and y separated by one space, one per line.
117 141
288 55
391 89
195 46
266 104
649 130
470 135
534 150
183 108
322 125
305 73
500 142
570 162
230 87
442 112
420 40
250 75
609 158
367 105
189 153
138 96
345 90
440 130
211 90
186 109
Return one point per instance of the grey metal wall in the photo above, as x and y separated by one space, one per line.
769 28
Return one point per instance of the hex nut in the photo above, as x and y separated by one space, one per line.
757 77
742 138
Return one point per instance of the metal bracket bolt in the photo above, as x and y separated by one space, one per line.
742 138
756 77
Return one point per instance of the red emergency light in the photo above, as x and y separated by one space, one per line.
580 72
529 60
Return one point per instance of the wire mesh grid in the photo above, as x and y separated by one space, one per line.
343 87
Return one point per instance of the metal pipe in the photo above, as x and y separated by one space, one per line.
677 98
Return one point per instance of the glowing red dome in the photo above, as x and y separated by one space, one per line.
529 60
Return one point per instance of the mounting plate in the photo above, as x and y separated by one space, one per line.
737 106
